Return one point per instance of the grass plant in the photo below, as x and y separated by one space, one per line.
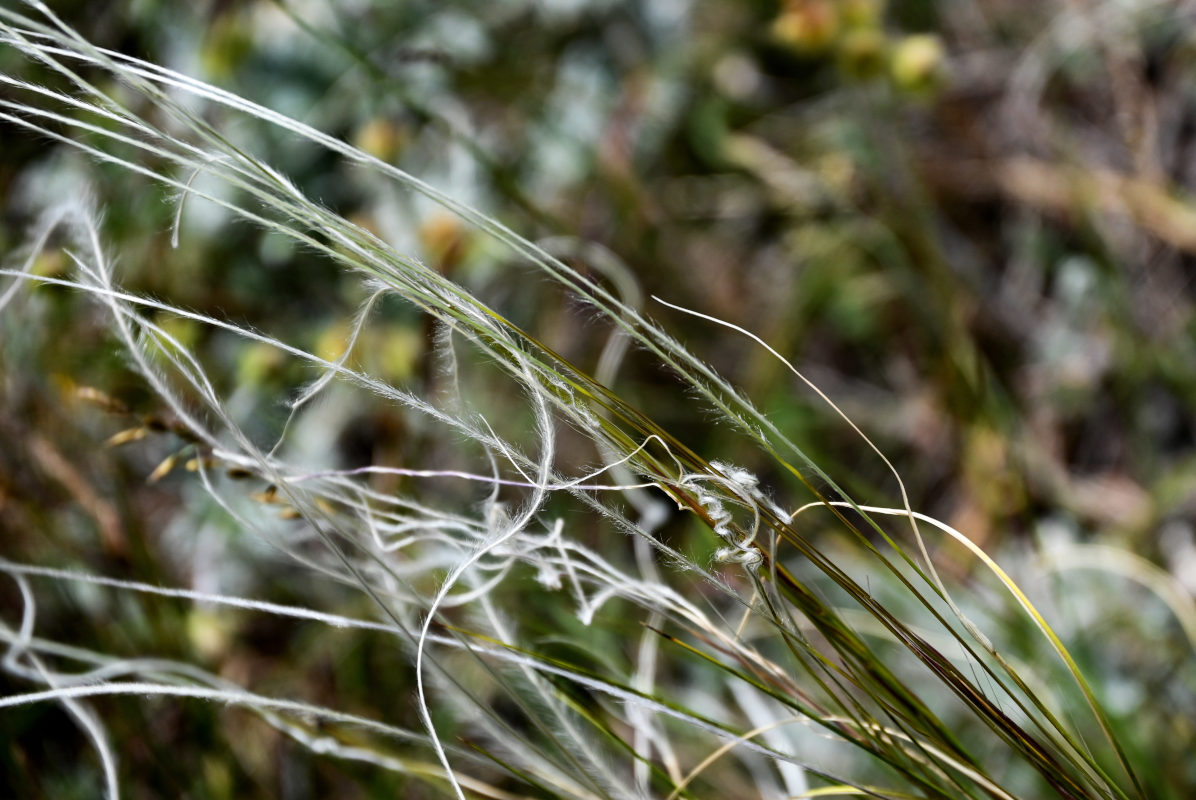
562 596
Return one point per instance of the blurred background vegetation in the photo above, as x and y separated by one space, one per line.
970 223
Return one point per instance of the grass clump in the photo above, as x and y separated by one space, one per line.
501 565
